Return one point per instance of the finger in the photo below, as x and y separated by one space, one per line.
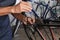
25 19
30 21
25 6
33 20
25 22
26 10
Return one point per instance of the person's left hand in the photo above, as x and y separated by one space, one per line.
24 19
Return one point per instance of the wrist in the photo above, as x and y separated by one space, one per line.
12 10
9 9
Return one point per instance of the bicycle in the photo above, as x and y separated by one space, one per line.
44 18
33 28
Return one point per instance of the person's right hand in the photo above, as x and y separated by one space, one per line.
21 7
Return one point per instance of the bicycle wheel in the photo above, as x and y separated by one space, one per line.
31 33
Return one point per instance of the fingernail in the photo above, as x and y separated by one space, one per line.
25 23
30 10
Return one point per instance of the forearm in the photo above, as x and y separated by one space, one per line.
5 10
19 16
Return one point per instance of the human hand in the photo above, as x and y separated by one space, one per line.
27 20
21 7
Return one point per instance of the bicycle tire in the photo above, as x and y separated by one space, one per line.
31 33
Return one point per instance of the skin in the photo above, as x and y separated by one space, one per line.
21 7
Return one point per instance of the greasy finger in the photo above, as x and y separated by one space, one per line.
33 20
30 21
25 22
